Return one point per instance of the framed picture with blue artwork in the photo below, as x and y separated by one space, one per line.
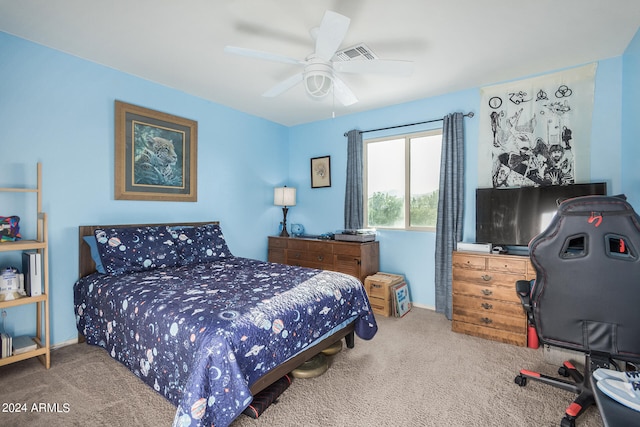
155 155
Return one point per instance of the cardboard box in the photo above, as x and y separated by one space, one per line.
378 288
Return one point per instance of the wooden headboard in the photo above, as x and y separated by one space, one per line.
86 264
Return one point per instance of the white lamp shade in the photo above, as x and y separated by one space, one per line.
284 196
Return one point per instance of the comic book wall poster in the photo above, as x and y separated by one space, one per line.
537 131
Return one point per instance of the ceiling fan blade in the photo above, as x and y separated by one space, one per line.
343 94
283 86
332 31
261 55
375 66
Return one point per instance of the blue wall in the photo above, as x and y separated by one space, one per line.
58 109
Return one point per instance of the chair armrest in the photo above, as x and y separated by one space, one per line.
523 288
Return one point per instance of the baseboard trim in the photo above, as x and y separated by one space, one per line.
428 307
64 343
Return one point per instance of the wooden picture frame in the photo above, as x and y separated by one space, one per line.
155 155
321 172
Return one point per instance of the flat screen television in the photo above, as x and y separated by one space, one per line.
513 216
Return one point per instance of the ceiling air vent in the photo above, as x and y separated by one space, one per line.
358 52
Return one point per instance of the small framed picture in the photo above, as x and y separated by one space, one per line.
321 172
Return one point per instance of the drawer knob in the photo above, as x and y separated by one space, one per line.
486 320
487 306
320 258
486 277
487 292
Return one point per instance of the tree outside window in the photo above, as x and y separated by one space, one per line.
401 181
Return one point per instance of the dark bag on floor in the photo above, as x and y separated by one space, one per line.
266 397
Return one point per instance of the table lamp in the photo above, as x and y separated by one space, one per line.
284 196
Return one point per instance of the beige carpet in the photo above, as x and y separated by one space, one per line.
415 372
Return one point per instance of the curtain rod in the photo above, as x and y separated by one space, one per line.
469 114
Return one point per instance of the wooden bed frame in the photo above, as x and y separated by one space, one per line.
87 266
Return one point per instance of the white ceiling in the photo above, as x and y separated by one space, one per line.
455 45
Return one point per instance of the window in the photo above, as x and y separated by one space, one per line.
401 180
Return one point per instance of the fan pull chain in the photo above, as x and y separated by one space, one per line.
333 96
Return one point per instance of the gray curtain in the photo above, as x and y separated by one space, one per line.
450 207
353 198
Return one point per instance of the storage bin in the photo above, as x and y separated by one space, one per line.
378 288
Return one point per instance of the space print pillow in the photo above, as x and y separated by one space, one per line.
131 249
201 244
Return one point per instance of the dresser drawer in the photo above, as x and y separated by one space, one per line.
277 255
275 242
320 246
499 293
491 320
488 278
343 249
298 244
317 258
465 261
347 264
508 265
310 264
488 333
486 305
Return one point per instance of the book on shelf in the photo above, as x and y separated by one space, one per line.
23 343
32 270
6 347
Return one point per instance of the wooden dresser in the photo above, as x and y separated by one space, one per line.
357 259
485 302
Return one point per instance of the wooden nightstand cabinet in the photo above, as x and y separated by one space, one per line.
485 303
356 259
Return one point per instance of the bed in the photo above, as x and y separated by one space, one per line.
206 329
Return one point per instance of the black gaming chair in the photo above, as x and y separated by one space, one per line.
586 295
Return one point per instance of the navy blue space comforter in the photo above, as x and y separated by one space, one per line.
202 334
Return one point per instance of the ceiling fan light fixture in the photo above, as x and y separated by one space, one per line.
318 85
318 79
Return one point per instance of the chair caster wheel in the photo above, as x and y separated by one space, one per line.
568 422
562 370
521 380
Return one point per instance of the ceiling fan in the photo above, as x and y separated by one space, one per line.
320 69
